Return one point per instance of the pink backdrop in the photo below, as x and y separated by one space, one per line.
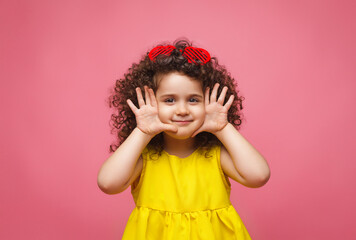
295 65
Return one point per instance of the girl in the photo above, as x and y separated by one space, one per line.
178 145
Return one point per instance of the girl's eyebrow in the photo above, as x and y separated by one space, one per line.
190 95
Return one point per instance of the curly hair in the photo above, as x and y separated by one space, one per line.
145 73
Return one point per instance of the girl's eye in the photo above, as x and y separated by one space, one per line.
172 100
169 100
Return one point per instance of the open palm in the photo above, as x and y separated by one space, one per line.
147 114
215 111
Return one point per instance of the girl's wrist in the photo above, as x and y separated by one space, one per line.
143 134
222 131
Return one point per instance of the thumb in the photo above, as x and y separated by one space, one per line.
170 127
199 130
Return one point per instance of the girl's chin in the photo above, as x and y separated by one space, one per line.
179 135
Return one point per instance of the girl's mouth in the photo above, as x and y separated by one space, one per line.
182 122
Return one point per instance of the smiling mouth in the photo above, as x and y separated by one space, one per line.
183 122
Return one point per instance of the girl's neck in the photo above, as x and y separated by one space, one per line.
179 147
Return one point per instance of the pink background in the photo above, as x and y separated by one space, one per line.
295 65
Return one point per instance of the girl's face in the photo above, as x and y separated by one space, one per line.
180 102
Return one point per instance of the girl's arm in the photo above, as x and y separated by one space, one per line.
117 172
240 160
121 168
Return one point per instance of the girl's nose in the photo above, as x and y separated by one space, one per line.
182 109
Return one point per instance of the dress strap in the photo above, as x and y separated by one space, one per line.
223 176
135 186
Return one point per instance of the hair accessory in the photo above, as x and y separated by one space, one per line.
192 54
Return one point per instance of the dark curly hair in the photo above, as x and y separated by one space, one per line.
144 73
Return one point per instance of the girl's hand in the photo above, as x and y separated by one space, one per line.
147 114
215 111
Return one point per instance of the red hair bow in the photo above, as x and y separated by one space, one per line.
192 54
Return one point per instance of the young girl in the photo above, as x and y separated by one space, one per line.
178 145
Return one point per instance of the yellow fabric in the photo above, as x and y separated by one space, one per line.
183 198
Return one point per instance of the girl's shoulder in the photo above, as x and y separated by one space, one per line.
150 153
210 151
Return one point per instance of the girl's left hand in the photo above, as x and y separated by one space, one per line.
215 111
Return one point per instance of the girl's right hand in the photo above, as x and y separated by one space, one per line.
147 114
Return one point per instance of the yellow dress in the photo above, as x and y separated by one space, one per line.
183 199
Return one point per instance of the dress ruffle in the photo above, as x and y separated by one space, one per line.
223 223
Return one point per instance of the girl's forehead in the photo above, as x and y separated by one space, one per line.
177 82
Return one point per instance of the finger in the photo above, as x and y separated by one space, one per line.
140 100
222 96
147 96
132 106
229 102
153 98
214 93
207 91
